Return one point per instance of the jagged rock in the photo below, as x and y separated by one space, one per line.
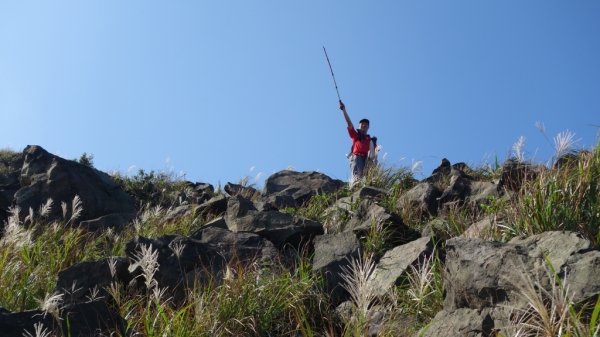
240 246
16 324
379 320
9 185
468 322
78 282
204 188
368 191
4 204
424 197
369 213
571 160
396 262
77 320
46 176
267 203
168 273
444 167
92 319
463 189
442 175
374 193
461 166
432 227
280 228
515 174
244 191
299 186
332 253
483 274
178 212
482 229
216 222
215 205
208 251
116 221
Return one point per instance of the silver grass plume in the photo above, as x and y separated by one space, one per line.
46 208
564 142
77 208
147 259
359 284
14 233
63 205
51 303
39 331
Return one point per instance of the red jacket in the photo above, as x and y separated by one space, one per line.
359 148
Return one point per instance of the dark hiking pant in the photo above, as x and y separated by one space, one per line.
357 166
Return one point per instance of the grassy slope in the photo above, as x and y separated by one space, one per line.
252 302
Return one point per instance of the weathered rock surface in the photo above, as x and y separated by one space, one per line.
369 213
482 229
280 228
76 320
15 324
424 197
515 174
468 322
215 206
204 188
473 192
78 282
208 251
44 176
244 191
396 262
286 186
481 274
333 252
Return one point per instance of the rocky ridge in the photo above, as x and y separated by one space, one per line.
481 279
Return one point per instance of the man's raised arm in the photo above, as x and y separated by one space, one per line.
343 108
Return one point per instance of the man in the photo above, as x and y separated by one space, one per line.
362 148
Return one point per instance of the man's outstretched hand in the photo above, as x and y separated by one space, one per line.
342 106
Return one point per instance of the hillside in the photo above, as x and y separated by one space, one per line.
504 249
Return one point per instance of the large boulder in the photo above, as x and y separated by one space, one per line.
484 274
396 263
88 280
45 176
18 323
515 174
247 192
333 253
180 259
464 190
469 322
214 206
93 318
369 213
424 197
280 228
292 189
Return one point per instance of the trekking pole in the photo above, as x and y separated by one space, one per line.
336 89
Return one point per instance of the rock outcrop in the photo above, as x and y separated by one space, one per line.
45 176
280 228
483 278
292 189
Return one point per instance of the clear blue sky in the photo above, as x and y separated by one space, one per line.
219 87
